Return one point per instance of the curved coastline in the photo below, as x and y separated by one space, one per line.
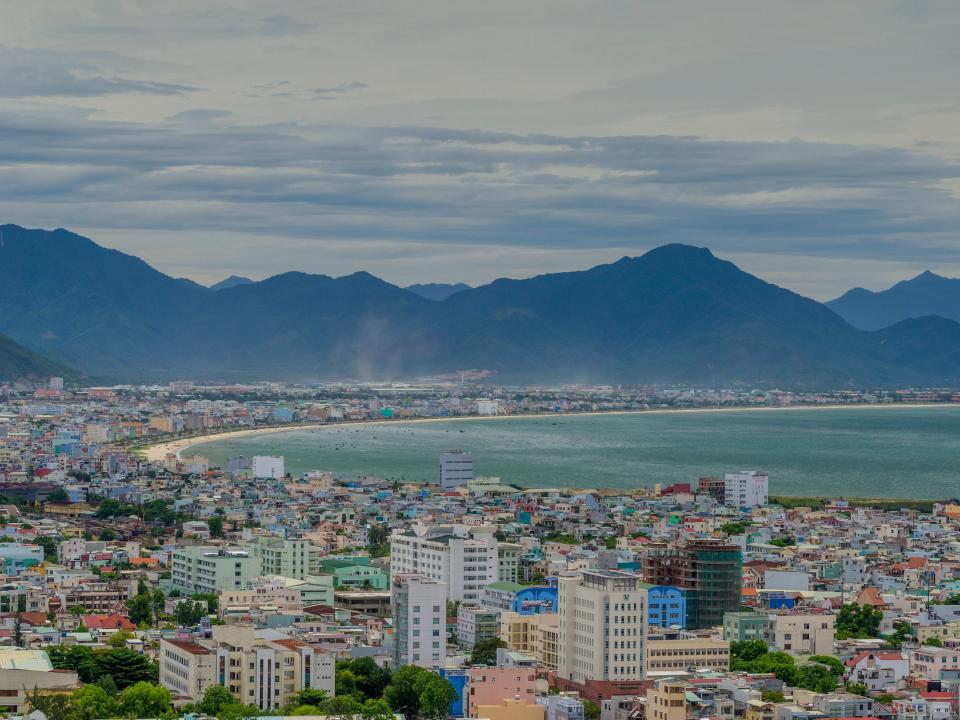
159 451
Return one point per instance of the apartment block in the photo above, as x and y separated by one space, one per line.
603 626
418 605
207 569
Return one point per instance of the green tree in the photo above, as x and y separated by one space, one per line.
485 651
107 534
591 711
49 546
933 642
402 694
310 696
92 702
346 683
376 709
857 689
341 706
145 700
189 613
746 651
107 683
55 706
371 679
237 712
140 610
435 696
835 664
816 677
119 639
125 666
79 658
59 495
215 699
772 696
857 621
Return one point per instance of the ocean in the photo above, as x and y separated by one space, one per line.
902 452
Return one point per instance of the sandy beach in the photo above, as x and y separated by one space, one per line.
157 452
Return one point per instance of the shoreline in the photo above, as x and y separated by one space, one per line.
158 452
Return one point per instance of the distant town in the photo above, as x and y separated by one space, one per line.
168 586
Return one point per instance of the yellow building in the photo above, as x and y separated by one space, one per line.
667 701
684 653
537 635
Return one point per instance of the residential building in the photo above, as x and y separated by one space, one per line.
491 686
536 635
418 606
349 574
475 624
745 489
294 558
267 466
562 707
667 701
801 633
456 469
207 569
667 606
603 625
463 559
745 625
265 668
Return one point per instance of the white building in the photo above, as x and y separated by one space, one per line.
488 407
418 605
56 383
267 466
746 488
456 469
465 559
603 625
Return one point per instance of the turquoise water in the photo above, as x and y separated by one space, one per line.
876 452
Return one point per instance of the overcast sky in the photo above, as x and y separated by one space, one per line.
813 143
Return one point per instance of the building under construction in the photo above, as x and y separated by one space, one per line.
708 572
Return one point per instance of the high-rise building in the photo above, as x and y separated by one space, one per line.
56 383
418 605
603 626
456 469
745 489
465 559
707 571
267 466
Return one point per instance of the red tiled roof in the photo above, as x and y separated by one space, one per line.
107 622
190 647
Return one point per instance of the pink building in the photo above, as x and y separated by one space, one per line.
491 686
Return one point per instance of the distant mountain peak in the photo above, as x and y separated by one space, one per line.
928 275
437 291
232 281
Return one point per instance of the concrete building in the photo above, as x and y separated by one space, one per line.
206 569
685 651
350 574
667 701
667 606
801 633
745 625
508 561
745 489
267 466
294 558
562 707
491 686
709 572
536 635
456 469
463 559
22 671
418 606
603 626
475 624
265 668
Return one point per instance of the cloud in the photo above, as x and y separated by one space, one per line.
340 89
26 73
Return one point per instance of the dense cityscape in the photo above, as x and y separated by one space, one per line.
139 583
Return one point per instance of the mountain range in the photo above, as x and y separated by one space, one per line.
675 314
18 363
926 294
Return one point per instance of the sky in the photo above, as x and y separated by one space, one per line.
812 143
